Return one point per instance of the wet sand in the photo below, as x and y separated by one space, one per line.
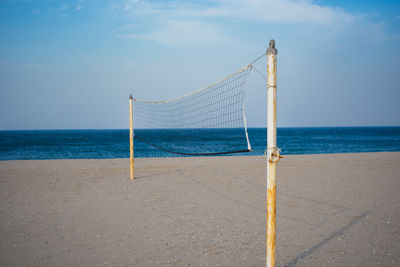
333 210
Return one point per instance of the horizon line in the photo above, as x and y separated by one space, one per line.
256 127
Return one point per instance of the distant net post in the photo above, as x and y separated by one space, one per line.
272 153
131 134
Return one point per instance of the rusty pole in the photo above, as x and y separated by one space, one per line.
272 153
131 134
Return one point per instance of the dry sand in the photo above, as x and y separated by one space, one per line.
333 210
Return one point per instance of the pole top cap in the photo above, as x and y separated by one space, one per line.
271 49
131 97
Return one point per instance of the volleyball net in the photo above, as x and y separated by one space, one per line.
209 121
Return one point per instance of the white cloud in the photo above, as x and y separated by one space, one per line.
189 23
184 33
287 11
293 12
193 24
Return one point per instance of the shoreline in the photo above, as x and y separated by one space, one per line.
180 157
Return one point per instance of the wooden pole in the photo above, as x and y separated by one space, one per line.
131 134
272 154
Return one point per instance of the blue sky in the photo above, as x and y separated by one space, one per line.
73 64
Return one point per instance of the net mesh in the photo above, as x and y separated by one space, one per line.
209 121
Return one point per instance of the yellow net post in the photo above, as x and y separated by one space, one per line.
272 154
131 134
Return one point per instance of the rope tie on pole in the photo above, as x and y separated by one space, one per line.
273 154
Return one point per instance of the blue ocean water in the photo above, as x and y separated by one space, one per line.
95 144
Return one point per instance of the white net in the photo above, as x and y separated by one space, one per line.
209 121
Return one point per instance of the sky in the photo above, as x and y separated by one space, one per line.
73 64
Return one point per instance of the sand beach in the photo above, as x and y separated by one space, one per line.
332 210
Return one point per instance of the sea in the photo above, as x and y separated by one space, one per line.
107 144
